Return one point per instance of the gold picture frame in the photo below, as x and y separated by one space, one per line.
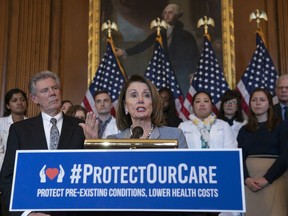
228 46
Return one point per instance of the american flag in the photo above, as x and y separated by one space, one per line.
260 73
208 77
161 74
109 76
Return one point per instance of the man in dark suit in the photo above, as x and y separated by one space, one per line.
34 133
179 44
281 90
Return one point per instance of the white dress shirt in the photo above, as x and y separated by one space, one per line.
110 129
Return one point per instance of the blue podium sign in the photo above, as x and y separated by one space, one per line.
128 180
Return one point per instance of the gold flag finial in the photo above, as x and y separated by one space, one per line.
158 23
258 15
108 25
206 21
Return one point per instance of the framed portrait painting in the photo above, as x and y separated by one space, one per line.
133 18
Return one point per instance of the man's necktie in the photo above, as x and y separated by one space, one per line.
286 113
54 134
102 127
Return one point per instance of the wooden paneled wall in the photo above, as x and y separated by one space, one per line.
44 35
27 41
53 35
282 18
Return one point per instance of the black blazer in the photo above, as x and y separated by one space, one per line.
278 110
29 134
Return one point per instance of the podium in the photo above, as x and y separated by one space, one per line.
130 144
134 178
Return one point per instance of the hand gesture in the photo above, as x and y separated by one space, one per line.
252 184
90 127
119 52
261 182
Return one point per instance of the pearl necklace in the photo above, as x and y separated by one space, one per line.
149 134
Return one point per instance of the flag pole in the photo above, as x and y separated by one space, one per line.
260 72
158 24
160 71
109 76
109 26
206 22
259 15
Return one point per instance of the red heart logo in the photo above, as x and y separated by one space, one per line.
52 173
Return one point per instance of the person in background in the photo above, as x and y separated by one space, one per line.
65 104
106 122
15 110
51 129
168 107
281 108
263 141
231 110
179 44
204 130
77 111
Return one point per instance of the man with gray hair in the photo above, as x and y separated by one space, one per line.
179 44
51 129
281 90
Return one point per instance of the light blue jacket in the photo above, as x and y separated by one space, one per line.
162 132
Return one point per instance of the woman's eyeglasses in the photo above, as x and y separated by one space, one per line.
230 102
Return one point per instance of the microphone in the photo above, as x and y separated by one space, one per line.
137 132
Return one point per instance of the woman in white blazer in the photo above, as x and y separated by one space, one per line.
203 129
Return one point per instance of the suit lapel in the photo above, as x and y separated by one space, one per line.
67 130
38 133
279 110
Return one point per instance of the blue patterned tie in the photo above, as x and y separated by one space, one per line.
54 134
286 113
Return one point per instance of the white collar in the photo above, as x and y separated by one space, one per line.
47 117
